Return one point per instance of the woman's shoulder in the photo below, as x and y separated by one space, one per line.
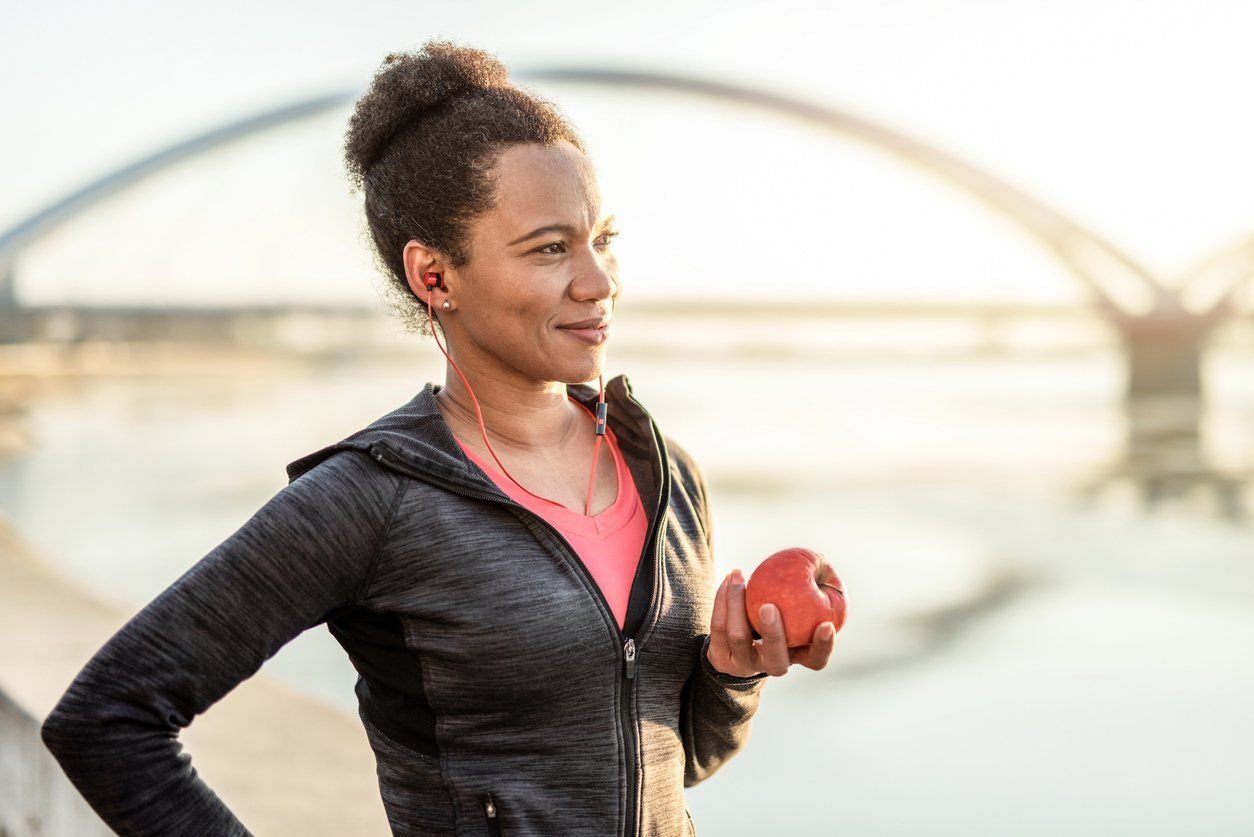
685 466
682 459
343 480
335 463
691 480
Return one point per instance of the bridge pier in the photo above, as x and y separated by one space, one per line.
1164 361
1163 347
1164 405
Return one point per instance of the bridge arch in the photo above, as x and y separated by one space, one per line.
1087 256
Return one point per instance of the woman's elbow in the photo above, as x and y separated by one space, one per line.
65 730
82 727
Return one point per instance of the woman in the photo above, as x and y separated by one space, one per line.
533 661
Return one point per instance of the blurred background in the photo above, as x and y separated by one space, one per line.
955 293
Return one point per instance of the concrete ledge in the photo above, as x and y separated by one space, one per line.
284 762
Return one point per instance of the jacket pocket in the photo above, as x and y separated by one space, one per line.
398 746
406 774
492 814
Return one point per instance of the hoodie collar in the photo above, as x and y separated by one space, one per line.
415 438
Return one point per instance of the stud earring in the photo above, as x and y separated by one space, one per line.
446 305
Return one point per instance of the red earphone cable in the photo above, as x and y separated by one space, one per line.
587 507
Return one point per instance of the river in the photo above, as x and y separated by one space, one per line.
1031 648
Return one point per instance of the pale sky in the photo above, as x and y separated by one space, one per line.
1131 117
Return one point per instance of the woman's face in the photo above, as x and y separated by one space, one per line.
541 258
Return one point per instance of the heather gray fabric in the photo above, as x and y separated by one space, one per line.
494 680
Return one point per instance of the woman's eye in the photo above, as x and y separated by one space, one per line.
546 251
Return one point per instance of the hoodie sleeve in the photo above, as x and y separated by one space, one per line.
717 708
306 552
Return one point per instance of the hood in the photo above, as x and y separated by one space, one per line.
415 438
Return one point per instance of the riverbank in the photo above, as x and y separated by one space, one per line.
284 762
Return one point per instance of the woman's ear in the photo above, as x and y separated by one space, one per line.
420 260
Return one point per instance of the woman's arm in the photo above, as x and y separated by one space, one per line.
307 552
715 718
716 707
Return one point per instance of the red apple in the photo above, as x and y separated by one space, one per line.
803 586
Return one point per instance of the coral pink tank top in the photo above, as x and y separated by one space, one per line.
609 543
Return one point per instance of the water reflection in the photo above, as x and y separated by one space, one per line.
1165 459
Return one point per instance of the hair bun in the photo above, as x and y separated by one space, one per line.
409 84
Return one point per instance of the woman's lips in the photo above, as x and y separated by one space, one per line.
591 336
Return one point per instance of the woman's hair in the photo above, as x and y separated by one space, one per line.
422 143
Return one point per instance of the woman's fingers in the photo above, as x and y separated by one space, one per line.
774 649
739 637
718 625
818 652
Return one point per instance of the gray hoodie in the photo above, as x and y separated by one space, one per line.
495 686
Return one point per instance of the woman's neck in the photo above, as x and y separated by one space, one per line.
549 423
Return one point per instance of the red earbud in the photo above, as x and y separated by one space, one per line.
433 280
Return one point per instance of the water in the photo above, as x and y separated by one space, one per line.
1022 656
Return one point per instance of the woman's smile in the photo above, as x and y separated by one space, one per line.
591 336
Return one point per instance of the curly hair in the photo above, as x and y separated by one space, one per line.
422 143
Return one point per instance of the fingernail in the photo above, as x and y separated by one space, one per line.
827 631
737 578
768 614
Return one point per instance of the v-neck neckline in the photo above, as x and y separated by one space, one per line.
595 525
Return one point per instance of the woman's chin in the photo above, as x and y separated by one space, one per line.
580 372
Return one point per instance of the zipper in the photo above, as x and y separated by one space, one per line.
490 811
629 657
629 648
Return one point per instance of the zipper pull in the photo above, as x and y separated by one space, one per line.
629 650
489 806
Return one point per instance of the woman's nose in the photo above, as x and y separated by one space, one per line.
598 280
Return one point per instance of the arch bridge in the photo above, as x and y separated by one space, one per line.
1163 340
